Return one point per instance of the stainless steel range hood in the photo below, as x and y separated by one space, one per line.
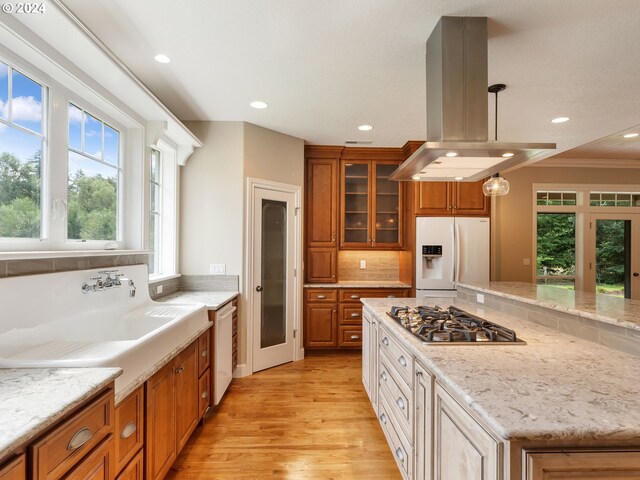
457 146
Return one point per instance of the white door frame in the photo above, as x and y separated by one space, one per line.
252 185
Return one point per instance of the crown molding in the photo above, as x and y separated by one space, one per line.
588 163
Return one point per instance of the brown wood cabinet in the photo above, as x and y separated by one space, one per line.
134 470
370 205
582 465
322 265
450 198
15 469
55 453
160 437
98 465
333 317
187 394
129 427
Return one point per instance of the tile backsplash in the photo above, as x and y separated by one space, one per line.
37 266
380 265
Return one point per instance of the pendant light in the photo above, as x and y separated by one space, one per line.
496 186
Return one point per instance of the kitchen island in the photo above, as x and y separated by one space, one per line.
555 405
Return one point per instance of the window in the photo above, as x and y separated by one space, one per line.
556 251
155 218
94 177
556 198
22 145
614 199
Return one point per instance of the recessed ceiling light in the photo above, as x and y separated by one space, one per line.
416 177
160 58
507 155
560 120
259 104
365 128
631 135
452 154
458 178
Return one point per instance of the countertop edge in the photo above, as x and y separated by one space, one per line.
357 285
209 306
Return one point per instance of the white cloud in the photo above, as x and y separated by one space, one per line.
27 109
75 115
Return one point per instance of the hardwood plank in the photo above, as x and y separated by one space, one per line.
304 420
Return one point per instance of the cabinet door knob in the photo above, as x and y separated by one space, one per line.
400 403
402 361
204 353
385 341
205 394
259 288
383 376
400 455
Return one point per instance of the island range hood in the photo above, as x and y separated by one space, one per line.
457 147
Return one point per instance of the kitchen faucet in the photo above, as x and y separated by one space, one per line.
109 282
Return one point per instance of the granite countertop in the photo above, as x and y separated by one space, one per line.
604 308
212 299
31 400
360 284
553 388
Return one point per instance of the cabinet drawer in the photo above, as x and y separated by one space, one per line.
400 447
204 395
55 453
398 396
129 429
350 336
400 359
98 465
350 314
133 471
354 295
204 352
15 469
321 295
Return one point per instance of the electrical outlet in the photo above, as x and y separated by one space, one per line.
363 264
526 261
480 298
217 268
159 289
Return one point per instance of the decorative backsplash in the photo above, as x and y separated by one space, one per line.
380 265
37 266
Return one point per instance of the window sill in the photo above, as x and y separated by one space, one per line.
35 254
157 278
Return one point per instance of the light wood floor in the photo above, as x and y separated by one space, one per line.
304 420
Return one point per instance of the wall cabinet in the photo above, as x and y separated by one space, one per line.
370 206
451 198
333 317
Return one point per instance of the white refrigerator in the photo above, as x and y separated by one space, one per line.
450 250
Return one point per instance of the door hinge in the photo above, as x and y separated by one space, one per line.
590 225
589 265
295 333
295 211
295 272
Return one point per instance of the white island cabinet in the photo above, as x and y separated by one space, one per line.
461 413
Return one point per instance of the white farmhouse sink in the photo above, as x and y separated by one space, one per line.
47 321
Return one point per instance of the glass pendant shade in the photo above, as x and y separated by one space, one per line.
496 186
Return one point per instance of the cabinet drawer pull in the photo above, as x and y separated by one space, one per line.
179 370
204 353
128 430
205 394
321 297
383 419
400 454
383 376
400 403
402 361
355 314
355 297
81 437
355 337
385 341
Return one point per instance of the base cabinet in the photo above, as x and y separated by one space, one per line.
99 465
187 394
582 465
129 429
134 470
15 469
423 440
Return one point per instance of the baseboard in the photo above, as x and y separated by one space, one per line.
242 370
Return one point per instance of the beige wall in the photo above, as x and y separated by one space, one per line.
211 200
213 196
513 214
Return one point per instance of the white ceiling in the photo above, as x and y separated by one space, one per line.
327 66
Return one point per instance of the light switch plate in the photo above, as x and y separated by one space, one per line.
480 298
159 289
217 268
363 264
526 261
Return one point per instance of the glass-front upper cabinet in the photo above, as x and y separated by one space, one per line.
371 205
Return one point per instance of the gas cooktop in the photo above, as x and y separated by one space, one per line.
446 326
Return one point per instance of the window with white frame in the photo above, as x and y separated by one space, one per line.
163 181
94 177
23 138
155 213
